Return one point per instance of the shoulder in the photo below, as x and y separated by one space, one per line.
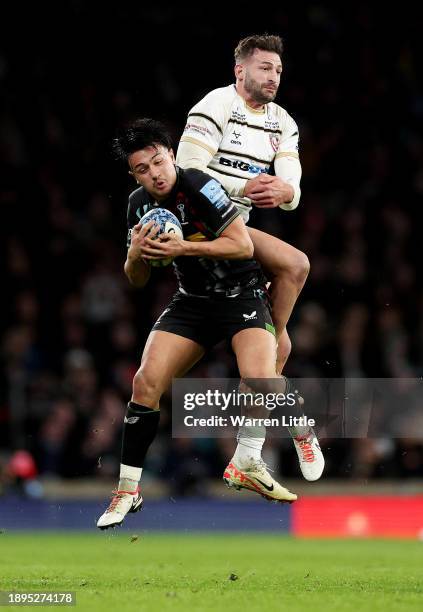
193 178
222 95
136 200
203 185
286 121
137 197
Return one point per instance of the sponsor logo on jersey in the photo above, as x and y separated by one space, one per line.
242 165
193 127
274 141
238 116
236 140
272 125
215 193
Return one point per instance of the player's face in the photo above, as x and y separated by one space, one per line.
154 169
261 74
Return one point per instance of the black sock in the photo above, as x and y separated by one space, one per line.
139 430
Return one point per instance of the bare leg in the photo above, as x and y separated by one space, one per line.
165 356
255 350
288 269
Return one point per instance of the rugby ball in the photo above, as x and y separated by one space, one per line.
168 224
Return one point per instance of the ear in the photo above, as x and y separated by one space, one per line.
239 71
133 176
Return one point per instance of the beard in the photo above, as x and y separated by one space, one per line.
257 91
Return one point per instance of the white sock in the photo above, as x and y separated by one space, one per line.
129 478
250 443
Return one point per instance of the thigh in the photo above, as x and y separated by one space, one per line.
168 356
274 255
255 351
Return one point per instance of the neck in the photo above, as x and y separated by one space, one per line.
249 101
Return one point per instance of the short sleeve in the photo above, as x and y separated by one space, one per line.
210 202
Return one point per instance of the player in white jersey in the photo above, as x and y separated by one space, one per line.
240 136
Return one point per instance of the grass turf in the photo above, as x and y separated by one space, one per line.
108 571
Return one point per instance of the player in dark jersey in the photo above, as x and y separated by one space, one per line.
219 283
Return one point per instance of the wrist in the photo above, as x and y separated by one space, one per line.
188 248
289 196
133 255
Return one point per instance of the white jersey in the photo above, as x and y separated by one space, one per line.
242 142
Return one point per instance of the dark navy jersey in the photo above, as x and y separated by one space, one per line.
204 210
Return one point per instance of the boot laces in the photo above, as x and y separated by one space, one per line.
261 466
306 449
117 497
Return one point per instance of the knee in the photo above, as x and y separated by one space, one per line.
294 267
284 345
146 387
300 268
283 352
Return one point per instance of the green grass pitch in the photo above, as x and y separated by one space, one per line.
121 571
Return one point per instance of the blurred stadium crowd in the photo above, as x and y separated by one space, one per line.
72 329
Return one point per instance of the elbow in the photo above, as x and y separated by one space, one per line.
247 249
138 280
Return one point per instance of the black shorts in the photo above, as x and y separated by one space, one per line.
209 320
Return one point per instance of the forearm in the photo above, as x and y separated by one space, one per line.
221 248
137 270
289 170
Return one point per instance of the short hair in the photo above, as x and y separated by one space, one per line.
264 42
138 135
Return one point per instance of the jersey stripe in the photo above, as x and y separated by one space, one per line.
287 154
228 222
199 144
254 127
208 118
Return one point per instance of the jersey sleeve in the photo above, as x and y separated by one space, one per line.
211 204
192 155
288 145
133 214
205 123
287 163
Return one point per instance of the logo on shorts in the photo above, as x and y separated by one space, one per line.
250 317
131 420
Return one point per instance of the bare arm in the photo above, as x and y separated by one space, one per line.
233 243
136 268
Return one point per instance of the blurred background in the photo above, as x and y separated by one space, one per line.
73 330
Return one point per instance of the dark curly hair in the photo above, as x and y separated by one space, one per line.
138 135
